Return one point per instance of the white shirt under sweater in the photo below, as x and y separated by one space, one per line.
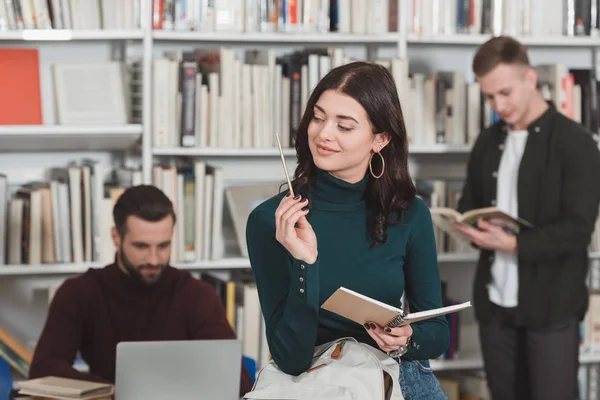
504 287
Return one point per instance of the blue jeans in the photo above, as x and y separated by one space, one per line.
418 381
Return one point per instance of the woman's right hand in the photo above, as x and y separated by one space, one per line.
299 240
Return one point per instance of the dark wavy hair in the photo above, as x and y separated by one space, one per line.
374 88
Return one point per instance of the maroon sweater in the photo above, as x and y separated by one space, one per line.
93 312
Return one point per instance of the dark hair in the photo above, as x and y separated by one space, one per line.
144 201
499 50
374 88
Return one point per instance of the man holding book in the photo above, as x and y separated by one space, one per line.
529 290
139 297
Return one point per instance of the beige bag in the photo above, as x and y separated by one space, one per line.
341 370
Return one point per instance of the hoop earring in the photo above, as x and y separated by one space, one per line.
382 165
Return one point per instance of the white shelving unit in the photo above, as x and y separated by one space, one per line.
46 138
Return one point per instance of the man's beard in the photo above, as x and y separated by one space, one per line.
136 271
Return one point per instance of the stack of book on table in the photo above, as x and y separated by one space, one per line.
52 387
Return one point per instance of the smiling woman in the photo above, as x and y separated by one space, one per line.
355 195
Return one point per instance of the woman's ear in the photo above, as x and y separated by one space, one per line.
381 140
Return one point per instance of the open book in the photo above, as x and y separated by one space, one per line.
64 388
444 217
361 309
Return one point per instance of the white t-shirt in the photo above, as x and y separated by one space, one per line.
504 287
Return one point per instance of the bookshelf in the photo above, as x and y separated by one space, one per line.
134 142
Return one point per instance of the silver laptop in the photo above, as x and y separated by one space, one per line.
181 370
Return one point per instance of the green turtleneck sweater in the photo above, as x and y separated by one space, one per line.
291 291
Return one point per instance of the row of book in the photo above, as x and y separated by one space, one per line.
210 98
17 354
223 101
425 17
65 218
229 102
239 296
541 18
197 194
69 14
538 18
107 99
290 16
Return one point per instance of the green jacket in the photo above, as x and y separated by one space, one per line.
559 192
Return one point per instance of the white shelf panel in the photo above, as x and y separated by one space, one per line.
225 263
594 255
263 37
460 364
46 269
475 362
457 257
65 137
469 40
439 149
222 264
273 152
69 34
221 152
473 257
589 358
77 268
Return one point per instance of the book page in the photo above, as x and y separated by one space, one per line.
446 212
511 224
447 225
421 315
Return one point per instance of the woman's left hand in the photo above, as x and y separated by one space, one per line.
389 339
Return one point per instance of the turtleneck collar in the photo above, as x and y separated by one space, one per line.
331 193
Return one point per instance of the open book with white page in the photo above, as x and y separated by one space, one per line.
362 309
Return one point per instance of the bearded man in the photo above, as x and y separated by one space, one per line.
139 297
